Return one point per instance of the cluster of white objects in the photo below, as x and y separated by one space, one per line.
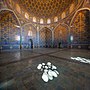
49 71
84 60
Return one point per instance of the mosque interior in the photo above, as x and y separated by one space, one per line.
44 44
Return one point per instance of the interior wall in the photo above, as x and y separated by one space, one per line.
61 36
45 38
80 29
29 32
10 33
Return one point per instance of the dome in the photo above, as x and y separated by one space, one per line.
44 8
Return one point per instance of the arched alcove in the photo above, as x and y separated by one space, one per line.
61 36
28 36
80 29
45 37
9 30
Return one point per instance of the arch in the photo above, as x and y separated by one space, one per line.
45 37
28 24
61 34
17 28
12 12
63 24
79 28
29 32
77 12
45 27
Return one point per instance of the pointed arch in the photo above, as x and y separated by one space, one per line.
61 33
11 29
29 32
45 37
12 12
63 24
45 27
76 14
79 27
28 24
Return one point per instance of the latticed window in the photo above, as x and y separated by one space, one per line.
30 33
26 15
48 21
55 19
34 19
63 15
41 21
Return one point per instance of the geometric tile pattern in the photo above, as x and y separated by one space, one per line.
8 29
45 38
44 8
80 28
60 36
25 36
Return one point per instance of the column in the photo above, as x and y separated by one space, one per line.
38 37
52 38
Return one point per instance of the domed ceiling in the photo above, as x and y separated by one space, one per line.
44 8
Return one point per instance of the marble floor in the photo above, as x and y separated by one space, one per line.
18 69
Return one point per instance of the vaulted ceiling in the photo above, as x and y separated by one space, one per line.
44 8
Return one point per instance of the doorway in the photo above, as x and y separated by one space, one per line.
30 44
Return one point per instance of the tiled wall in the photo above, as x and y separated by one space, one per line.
8 31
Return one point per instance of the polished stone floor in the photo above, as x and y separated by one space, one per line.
18 69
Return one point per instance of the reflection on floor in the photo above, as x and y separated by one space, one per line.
18 69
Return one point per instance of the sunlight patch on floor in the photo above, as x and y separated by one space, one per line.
80 59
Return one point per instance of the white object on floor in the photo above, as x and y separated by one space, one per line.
50 77
53 74
45 77
54 67
56 72
39 66
49 71
43 63
48 63
46 67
